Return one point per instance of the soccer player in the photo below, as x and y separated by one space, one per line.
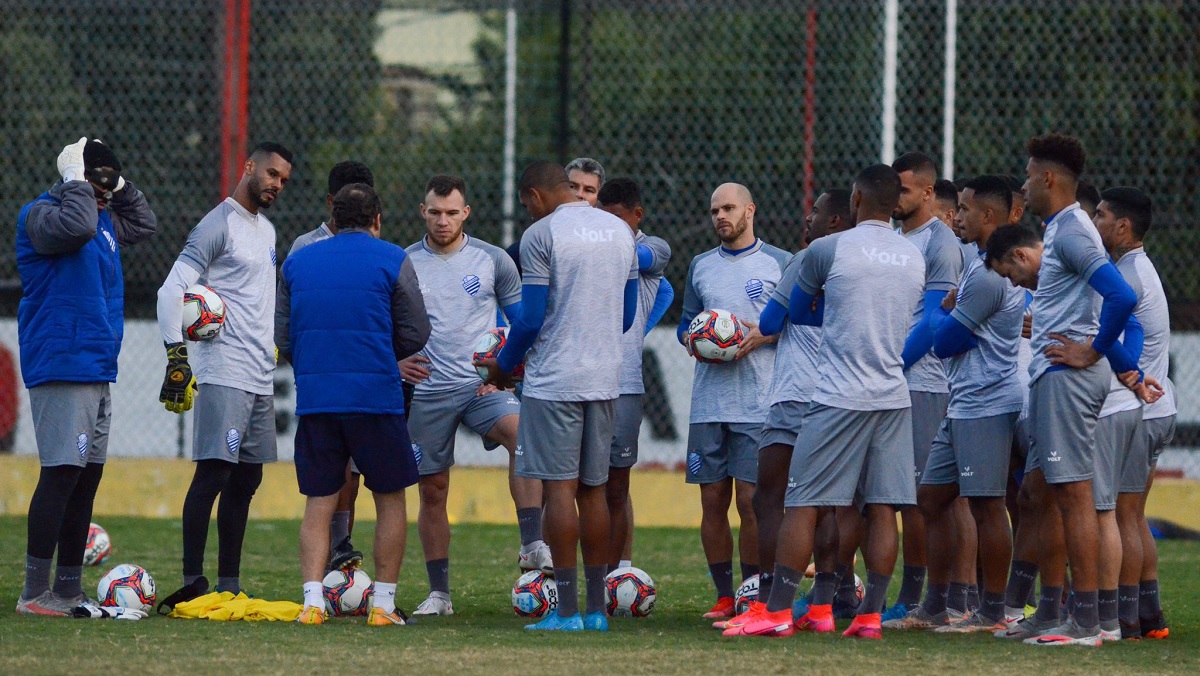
463 281
587 178
622 198
946 196
69 325
577 260
232 251
1018 198
860 286
970 456
351 308
1088 197
342 552
917 213
1065 272
729 400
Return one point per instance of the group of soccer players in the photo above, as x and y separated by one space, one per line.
1003 387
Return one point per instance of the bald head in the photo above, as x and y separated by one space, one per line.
732 211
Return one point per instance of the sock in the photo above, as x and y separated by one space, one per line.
593 579
749 570
314 594
37 577
1087 609
385 597
992 607
189 579
229 584
935 598
1031 599
529 519
339 528
567 580
1149 604
233 513
847 591
1021 578
67 581
956 597
625 563
764 586
208 481
722 576
439 575
911 585
1106 605
783 588
877 586
1127 604
824 585
1049 604
973 597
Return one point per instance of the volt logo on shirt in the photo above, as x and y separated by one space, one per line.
590 235
470 283
886 257
754 288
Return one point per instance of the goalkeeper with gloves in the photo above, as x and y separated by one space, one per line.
232 251
69 326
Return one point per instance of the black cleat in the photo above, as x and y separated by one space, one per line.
345 556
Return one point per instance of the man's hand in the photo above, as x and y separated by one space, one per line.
753 340
179 386
70 161
1075 355
486 388
950 299
413 369
1148 389
496 375
687 344
1027 327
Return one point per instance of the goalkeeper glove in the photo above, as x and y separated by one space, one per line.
70 161
88 611
179 385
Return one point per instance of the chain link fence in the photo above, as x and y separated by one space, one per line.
790 98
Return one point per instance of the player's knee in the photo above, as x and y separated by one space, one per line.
434 489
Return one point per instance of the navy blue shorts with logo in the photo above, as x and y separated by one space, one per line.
378 444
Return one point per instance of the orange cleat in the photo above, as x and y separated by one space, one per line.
738 620
777 624
722 610
865 626
818 619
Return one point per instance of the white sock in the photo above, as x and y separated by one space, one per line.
385 596
625 563
313 595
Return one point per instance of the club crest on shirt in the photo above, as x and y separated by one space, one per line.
81 444
694 463
417 453
233 441
274 261
754 288
470 284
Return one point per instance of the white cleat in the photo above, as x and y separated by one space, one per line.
536 557
438 603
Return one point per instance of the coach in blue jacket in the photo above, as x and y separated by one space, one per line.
69 325
349 309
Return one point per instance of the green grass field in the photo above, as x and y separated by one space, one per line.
485 635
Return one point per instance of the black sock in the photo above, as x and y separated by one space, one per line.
877 586
783 588
233 513
722 576
67 581
229 583
972 598
439 575
1049 604
1149 604
1021 578
1127 604
935 598
749 570
911 585
567 581
824 585
208 482
992 607
1106 605
593 578
529 520
956 597
37 577
1086 609
764 586
847 590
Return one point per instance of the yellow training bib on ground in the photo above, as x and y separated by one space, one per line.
224 606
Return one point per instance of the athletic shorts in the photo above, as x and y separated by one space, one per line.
1116 439
559 440
719 451
70 422
1063 409
928 412
434 418
379 445
973 453
234 425
624 450
852 458
1159 433
783 423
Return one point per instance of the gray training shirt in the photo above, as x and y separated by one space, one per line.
585 256
942 252
311 237
462 290
634 340
798 347
872 278
735 391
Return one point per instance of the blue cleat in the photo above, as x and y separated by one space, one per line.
897 612
555 622
800 608
596 621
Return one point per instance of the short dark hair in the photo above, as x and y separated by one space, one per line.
1086 193
879 186
1133 204
621 190
839 202
944 189
959 183
1015 184
994 189
1008 237
344 173
542 175
355 206
1065 151
918 163
443 184
270 147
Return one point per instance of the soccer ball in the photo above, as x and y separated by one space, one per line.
488 347
629 592
744 594
347 592
715 336
203 313
98 546
127 586
534 594
860 590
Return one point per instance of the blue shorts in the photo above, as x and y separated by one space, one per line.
378 444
